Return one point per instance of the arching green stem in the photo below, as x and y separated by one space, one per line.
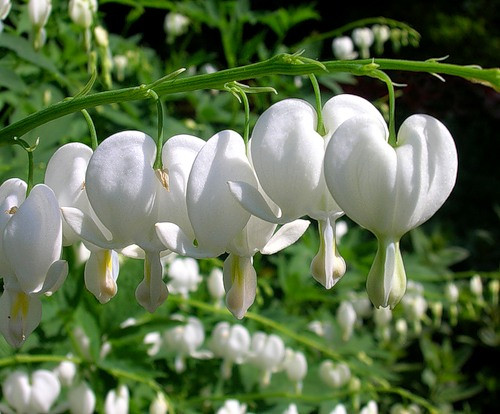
246 129
320 129
93 134
29 150
392 102
158 165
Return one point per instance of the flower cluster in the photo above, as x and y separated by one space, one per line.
374 37
221 196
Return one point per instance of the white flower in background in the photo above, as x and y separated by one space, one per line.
30 251
361 304
215 284
232 407
451 292
208 230
363 38
82 12
267 352
287 154
82 341
175 24
159 405
401 327
401 409
476 286
184 340
31 395
346 318
66 372
153 339
65 175
117 401
120 63
343 48
382 318
184 276
101 36
81 399
231 343
339 409
340 229
334 375
4 11
39 12
415 306
127 202
404 187
370 408
381 34
291 409
295 366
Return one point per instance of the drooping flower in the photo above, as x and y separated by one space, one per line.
31 395
343 48
65 174
39 12
287 154
214 223
125 194
363 38
81 399
390 190
117 401
334 375
82 12
295 366
30 251
346 318
184 274
267 352
381 34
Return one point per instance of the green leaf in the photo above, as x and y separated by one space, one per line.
10 80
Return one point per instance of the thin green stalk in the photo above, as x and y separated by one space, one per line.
246 129
93 133
320 129
392 103
283 64
158 164
29 150
18 359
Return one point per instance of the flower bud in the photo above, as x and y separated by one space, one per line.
346 317
159 405
343 48
451 292
476 285
175 25
39 12
101 36
82 12
216 284
381 33
81 399
363 38
66 372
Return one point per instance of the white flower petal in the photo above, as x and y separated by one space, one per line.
56 275
20 314
174 238
45 390
17 390
240 283
152 291
101 272
83 225
286 236
287 154
32 239
214 213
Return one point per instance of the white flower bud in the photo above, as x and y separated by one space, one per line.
343 48
117 401
476 285
66 372
215 284
39 12
82 12
4 8
451 292
363 37
175 24
101 36
295 365
381 32
346 317
159 405
81 399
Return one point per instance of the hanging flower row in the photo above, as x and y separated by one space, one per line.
223 196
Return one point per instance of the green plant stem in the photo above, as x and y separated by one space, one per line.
320 128
93 133
18 359
278 65
392 103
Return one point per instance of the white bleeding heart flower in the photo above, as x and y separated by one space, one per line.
390 190
124 192
343 48
65 174
31 395
117 401
267 352
214 222
287 154
30 251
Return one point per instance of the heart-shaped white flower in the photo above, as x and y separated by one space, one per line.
390 190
